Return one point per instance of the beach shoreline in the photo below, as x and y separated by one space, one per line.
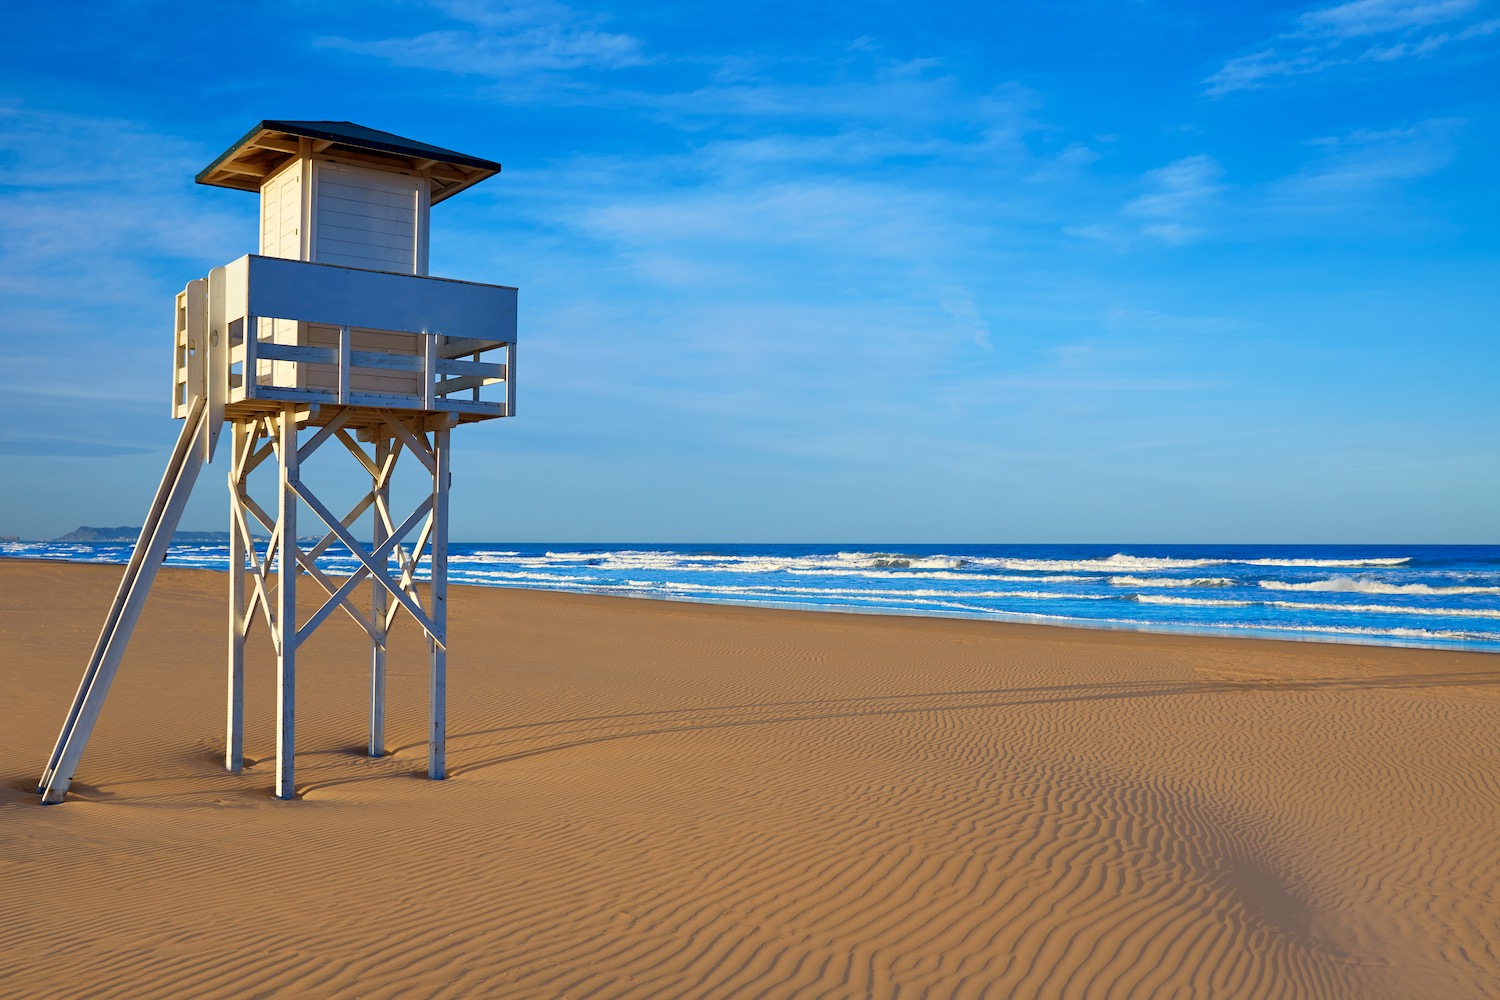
682 798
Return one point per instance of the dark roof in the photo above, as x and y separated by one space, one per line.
270 144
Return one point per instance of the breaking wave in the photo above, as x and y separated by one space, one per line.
1171 581
1327 563
1436 595
1360 585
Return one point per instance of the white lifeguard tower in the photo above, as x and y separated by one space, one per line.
333 332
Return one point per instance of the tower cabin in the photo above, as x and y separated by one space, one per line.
356 199
333 333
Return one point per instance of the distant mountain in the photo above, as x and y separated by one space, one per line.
125 533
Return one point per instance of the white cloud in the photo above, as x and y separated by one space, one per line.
98 200
1329 37
1177 198
504 41
1363 164
1373 17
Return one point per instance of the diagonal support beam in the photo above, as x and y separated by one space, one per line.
140 572
339 596
376 573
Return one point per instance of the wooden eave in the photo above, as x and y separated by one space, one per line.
266 148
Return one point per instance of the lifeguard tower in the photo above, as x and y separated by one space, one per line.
334 332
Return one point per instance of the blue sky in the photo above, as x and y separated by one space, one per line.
1078 271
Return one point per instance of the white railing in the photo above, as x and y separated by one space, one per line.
332 335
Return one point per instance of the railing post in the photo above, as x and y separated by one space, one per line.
250 369
343 374
429 368
510 379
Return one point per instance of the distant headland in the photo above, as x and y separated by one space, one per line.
125 533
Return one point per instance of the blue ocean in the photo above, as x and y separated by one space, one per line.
1391 595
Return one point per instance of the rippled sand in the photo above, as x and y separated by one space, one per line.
656 800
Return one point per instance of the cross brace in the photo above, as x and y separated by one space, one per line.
274 598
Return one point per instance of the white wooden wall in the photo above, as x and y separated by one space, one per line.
368 218
330 212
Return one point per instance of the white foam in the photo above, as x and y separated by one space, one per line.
1327 563
1171 581
495 574
1117 563
1361 585
1196 602
866 593
942 575
1386 609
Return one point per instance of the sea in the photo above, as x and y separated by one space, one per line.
1445 596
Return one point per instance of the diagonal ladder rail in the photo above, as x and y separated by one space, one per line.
140 572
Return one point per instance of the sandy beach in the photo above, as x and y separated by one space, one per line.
656 799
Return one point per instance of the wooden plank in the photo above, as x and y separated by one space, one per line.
342 213
366 187
145 559
345 361
365 381
338 597
362 255
448 385
469 406
243 169
250 357
487 369
359 553
286 607
386 361
234 735
437 746
429 369
379 470
382 233
261 565
329 429
301 355
510 381
457 347
287 395
424 218
267 141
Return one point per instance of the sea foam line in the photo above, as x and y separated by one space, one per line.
1171 581
1355 585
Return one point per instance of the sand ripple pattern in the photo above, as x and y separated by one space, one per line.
677 801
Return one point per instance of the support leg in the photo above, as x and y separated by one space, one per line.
286 605
234 736
437 752
140 572
378 605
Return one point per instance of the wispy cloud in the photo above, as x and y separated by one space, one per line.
1346 34
96 200
1174 204
1352 179
1357 166
1177 197
1372 17
505 41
